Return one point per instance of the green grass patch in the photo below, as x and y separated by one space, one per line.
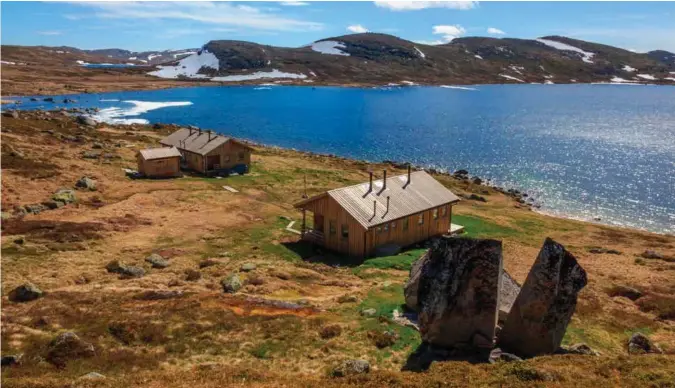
481 228
401 262
385 300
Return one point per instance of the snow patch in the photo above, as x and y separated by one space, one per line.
457 87
176 55
189 66
151 56
647 76
313 74
478 56
117 115
670 79
81 62
259 75
421 54
132 58
8 63
330 47
620 80
511 77
628 68
517 69
409 83
586 56
548 82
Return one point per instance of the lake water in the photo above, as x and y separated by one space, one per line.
583 151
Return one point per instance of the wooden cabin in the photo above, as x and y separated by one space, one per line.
209 153
401 210
159 162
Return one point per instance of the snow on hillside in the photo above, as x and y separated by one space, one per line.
511 77
647 76
259 75
628 68
421 54
587 56
189 66
329 47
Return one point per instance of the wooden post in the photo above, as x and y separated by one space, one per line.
302 234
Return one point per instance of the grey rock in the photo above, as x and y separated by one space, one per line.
157 261
25 293
86 183
86 120
371 312
248 267
53 204
35 208
458 293
125 271
540 315
580 348
649 254
497 355
12 113
640 344
92 376
507 296
625 291
68 346
91 155
13 359
351 367
192 276
231 284
20 240
97 146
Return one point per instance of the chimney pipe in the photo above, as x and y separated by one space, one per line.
200 130
370 188
409 173
387 206
384 181
209 132
374 208
190 130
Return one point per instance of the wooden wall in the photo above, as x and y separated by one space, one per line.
393 232
362 242
194 161
165 167
229 154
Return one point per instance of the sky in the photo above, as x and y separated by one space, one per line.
140 26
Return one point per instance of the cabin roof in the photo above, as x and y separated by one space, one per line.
159 153
405 199
196 141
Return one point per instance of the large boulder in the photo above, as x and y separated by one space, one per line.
25 293
125 271
508 292
351 367
410 289
68 346
640 344
86 120
540 315
458 293
157 261
65 196
231 284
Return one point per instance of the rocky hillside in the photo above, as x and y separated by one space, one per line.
378 59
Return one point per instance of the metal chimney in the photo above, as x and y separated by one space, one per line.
374 208
409 173
370 188
387 206
209 133
384 181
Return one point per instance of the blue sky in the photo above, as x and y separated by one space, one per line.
639 26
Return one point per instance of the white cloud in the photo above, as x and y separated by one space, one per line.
49 33
495 31
417 5
227 14
449 32
431 42
294 3
357 29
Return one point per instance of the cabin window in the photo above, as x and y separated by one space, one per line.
345 231
386 227
240 155
435 214
331 227
379 229
420 219
444 211
405 223
393 225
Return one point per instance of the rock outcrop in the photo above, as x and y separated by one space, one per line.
640 344
351 367
25 293
458 293
544 306
68 346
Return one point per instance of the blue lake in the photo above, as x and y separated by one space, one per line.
583 151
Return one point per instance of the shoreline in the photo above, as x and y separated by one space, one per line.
522 196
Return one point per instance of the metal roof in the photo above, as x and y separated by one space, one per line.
159 153
405 199
195 140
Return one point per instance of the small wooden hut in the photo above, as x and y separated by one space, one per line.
401 210
159 162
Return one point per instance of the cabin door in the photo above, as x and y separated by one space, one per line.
318 223
212 162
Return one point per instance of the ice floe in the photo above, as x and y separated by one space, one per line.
421 54
457 87
628 68
117 115
647 76
511 77
189 66
331 47
259 75
586 56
